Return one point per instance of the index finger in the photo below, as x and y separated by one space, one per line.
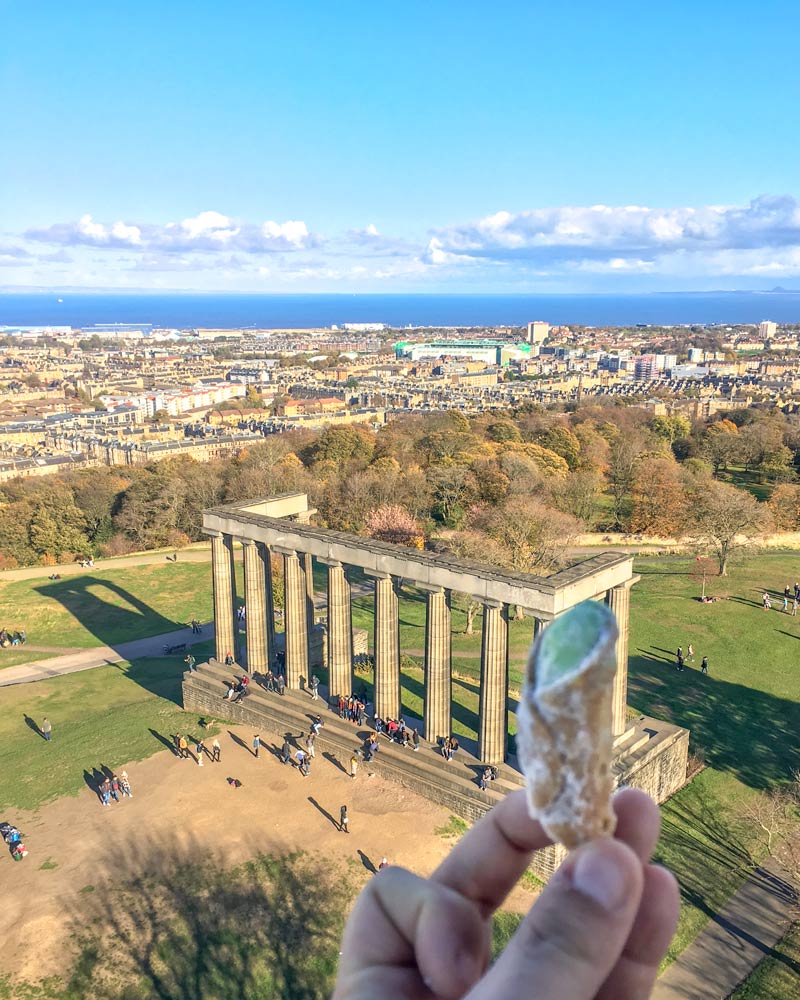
490 858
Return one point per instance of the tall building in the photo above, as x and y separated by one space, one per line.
696 355
538 331
767 329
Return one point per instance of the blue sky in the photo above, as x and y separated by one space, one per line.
448 145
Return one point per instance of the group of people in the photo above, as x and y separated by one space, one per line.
115 788
274 681
12 836
12 638
238 689
397 731
352 708
789 594
181 746
449 747
681 660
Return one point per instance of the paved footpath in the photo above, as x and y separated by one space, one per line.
198 552
99 656
724 954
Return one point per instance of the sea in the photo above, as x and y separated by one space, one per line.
273 311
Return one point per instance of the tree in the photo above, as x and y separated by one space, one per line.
624 454
57 525
340 445
563 442
578 494
658 497
392 523
502 431
724 518
784 506
721 444
254 397
670 428
775 815
531 536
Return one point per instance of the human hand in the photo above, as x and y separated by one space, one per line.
597 932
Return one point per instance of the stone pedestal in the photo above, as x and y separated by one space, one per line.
295 621
618 600
255 603
438 681
222 572
340 632
387 649
493 723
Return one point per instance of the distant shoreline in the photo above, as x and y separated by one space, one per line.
267 311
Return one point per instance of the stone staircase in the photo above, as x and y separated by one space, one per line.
453 784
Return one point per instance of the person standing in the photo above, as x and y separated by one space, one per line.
115 789
343 820
314 687
286 752
256 745
415 739
353 766
300 756
125 785
794 608
215 751
183 746
690 653
305 767
704 665
200 751
105 792
785 603
47 729
190 662
310 745
281 684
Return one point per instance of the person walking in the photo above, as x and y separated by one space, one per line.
215 751
704 665
183 746
286 752
125 785
415 739
105 792
690 653
281 684
256 745
190 662
300 756
343 820
785 603
47 729
794 608
353 766
310 745
200 751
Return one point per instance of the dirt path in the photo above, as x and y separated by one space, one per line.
198 552
175 801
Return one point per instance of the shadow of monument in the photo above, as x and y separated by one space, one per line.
114 624
744 731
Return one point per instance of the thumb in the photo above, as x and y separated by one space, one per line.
572 937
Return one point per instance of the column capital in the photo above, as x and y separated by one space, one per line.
244 541
212 533
430 588
335 563
283 550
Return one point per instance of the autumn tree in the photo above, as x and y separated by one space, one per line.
724 518
392 523
658 497
784 507
721 444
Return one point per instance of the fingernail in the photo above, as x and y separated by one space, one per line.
599 875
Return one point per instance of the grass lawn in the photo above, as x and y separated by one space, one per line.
105 607
777 975
744 716
101 717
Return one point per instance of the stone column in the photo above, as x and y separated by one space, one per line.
340 632
438 681
618 600
493 724
387 649
295 620
224 580
255 600
539 625
269 606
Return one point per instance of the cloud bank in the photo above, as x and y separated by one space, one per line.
569 248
